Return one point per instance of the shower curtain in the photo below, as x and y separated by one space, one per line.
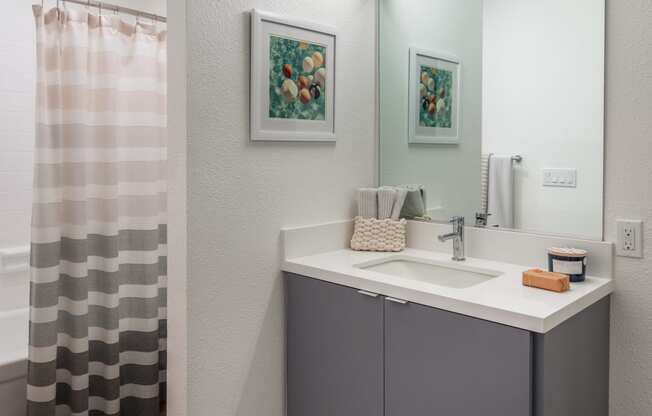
98 261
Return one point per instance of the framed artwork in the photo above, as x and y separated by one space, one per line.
434 97
292 79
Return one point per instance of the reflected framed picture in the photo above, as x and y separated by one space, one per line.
292 79
434 97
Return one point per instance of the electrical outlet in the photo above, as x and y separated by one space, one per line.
630 238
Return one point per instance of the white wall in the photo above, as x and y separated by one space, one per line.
152 6
543 99
628 193
242 193
450 173
17 94
177 371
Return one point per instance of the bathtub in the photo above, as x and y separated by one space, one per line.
14 318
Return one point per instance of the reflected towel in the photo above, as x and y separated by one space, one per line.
484 182
415 202
401 193
501 192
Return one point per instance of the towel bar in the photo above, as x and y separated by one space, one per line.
14 259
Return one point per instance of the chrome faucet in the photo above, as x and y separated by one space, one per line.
457 236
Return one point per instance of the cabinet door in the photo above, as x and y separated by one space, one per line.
440 363
334 350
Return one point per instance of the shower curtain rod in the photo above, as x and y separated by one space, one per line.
115 8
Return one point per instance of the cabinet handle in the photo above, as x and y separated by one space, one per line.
399 301
370 294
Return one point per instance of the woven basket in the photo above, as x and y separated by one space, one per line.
371 234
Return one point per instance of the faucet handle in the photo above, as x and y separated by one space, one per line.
481 219
456 220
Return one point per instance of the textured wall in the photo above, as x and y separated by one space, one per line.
177 214
242 193
628 190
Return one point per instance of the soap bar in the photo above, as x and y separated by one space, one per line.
542 279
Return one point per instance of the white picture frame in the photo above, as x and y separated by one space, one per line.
418 130
274 120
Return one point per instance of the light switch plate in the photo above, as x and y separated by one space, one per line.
558 177
629 238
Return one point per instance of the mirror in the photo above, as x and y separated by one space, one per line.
496 108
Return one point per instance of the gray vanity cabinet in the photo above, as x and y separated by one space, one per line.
356 354
442 363
334 349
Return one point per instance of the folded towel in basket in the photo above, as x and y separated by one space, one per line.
367 199
386 199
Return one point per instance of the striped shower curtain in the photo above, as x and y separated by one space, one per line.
98 277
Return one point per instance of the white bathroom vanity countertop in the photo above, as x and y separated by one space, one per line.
501 299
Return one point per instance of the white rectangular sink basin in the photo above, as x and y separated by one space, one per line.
447 274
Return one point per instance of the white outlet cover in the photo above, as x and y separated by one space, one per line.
629 238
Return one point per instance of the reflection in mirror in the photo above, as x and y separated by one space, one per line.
496 108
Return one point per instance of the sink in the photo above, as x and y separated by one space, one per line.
446 274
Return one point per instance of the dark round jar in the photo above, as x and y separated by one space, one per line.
570 261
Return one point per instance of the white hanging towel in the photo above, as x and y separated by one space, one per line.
501 192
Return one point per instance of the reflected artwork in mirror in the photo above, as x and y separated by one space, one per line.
496 107
434 97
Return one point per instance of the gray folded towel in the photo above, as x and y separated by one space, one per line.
367 202
415 202
386 198
401 193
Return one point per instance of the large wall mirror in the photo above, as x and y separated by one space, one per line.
496 107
